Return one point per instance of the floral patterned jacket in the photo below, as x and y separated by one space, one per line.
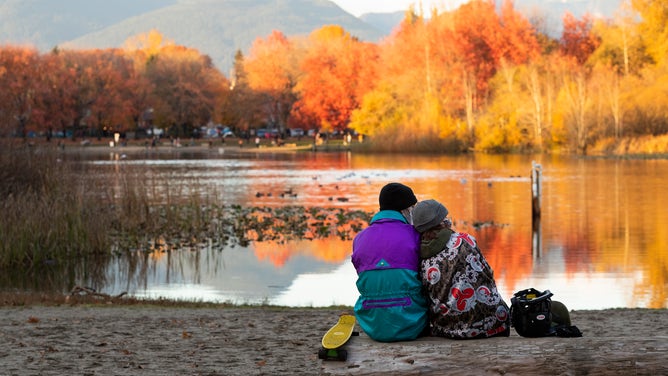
463 299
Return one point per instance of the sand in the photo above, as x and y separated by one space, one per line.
155 340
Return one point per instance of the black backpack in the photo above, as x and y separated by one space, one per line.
530 313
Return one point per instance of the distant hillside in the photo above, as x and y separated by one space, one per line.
220 27
385 22
45 24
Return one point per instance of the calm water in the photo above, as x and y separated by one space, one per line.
601 242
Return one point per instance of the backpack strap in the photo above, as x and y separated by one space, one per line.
532 295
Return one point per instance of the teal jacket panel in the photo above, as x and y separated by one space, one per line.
391 306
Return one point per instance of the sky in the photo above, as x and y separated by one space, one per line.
359 7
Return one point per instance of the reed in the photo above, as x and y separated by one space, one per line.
46 217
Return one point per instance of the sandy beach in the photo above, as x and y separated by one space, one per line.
154 340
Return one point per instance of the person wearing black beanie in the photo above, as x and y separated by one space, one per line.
396 196
391 306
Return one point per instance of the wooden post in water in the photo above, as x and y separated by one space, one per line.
536 190
536 193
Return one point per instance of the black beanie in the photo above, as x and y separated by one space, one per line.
396 196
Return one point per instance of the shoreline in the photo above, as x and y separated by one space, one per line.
199 146
159 340
290 146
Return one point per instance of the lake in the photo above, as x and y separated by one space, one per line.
601 240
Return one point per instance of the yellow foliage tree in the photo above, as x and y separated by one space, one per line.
654 15
508 121
150 43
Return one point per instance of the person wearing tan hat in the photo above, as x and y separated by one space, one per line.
391 305
464 302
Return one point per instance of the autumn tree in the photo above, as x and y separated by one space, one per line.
577 39
180 85
338 70
89 87
243 108
272 71
654 18
575 106
144 46
57 95
483 40
142 49
19 80
112 108
619 55
83 92
417 99
540 81
648 102
188 91
621 44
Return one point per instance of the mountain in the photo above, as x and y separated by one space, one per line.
45 24
385 22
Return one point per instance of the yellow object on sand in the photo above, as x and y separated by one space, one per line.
339 334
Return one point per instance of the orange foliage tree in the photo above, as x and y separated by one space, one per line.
19 80
506 43
272 71
483 40
112 109
56 96
182 87
452 58
337 71
188 91
577 39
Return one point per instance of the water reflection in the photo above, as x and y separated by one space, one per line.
601 242
240 275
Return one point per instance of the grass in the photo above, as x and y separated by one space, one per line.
46 217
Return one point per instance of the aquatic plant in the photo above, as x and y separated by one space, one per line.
223 226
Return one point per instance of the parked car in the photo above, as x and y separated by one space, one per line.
296 132
267 133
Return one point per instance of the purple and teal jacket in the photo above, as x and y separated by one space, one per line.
386 255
